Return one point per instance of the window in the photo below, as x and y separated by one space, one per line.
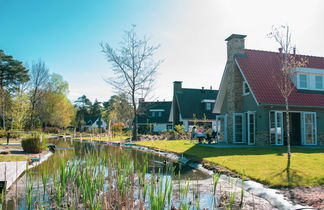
208 106
153 114
309 128
246 89
238 128
318 82
303 81
159 114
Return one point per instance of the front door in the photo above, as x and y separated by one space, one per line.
295 128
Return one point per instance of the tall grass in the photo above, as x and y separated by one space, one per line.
91 178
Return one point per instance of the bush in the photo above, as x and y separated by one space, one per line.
32 143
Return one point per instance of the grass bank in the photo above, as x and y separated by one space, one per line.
264 164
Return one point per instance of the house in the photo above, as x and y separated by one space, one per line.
153 116
251 108
92 122
192 106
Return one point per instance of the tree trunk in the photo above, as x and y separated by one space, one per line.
134 135
288 142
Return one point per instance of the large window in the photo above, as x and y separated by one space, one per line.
318 82
303 81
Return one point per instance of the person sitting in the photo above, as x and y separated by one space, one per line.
200 134
193 132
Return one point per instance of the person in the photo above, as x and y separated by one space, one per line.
193 132
200 134
209 133
8 137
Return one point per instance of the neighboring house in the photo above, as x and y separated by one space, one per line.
93 122
251 106
153 116
192 106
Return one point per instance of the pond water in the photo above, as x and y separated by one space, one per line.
74 158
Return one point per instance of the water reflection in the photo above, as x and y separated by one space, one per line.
15 198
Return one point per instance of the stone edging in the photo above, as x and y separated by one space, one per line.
274 197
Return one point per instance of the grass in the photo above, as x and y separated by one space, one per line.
9 158
264 164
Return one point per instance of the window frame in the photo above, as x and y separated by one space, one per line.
300 81
245 85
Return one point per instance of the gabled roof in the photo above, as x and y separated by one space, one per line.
144 115
89 120
190 102
258 68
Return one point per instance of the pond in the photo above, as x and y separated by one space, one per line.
96 176
125 171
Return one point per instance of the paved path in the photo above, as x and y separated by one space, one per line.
10 171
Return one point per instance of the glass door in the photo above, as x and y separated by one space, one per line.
251 127
276 127
309 128
221 128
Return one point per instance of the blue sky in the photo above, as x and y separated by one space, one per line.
66 35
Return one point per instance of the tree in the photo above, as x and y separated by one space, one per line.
55 108
12 74
289 63
96 108
38 84
134 68
20 111
83 105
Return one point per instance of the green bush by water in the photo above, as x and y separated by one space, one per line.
34 143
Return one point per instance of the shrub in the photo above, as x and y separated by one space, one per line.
34 143
180 129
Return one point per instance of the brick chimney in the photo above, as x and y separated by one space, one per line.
141 100
177 86
235 45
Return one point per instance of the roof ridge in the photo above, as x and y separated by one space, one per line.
313 56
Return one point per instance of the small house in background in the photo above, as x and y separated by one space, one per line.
193 107
153 116
251 107
93 123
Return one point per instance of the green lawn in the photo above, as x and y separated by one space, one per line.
264 164
7 158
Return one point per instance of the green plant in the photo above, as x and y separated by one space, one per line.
34 143
180 129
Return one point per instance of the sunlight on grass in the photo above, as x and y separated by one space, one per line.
9 158
265 164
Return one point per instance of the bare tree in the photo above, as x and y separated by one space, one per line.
38 83
289 62
134 68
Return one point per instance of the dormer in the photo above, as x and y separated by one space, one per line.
208 104
156 112
309 79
